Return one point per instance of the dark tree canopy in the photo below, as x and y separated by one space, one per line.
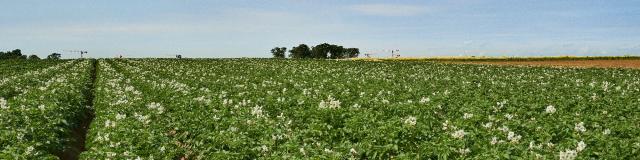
279 52
352 52
336 51
320 51
15 54
301 51
54 56
34 57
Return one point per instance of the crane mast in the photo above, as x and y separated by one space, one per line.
78 51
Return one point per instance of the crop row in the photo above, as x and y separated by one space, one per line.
39 109
16 67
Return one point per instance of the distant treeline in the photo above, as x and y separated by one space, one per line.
17 54
321 51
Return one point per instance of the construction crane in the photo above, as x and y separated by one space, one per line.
78 51
368 55
395 53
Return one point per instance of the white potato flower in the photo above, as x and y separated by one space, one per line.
467 115
109 123
257 111
508 116
29 150
581 146
459 134
494 140
411 120
532 145
425 100
580 127
568 155
3 104
550 109
445 125
464 151
120 116
156 106
302 151
488 125
513 137
329 103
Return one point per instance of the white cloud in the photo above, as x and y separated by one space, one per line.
389 9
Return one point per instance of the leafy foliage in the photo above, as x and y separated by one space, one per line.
301 51
54 56
317 109
320 109
322 51
352 52
279 52
34 57
15 54
39 108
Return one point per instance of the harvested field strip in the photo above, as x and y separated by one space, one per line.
568 63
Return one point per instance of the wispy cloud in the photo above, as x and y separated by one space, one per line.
128 28
232 21
389 9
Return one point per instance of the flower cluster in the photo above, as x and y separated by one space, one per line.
411 120
330 103
550 109
3 104
156 106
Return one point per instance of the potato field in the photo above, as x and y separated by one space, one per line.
314 109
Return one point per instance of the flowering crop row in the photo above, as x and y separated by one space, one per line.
251 108
125 123
39 108
16 67
15 75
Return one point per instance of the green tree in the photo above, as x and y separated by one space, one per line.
336 52
321 51
54 56
279 52
301 51
352 52
15 54
34 57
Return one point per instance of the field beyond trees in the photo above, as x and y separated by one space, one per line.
621 63
563 61
316 109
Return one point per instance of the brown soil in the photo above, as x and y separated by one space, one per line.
633 63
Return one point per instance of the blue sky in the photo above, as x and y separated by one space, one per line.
238 28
